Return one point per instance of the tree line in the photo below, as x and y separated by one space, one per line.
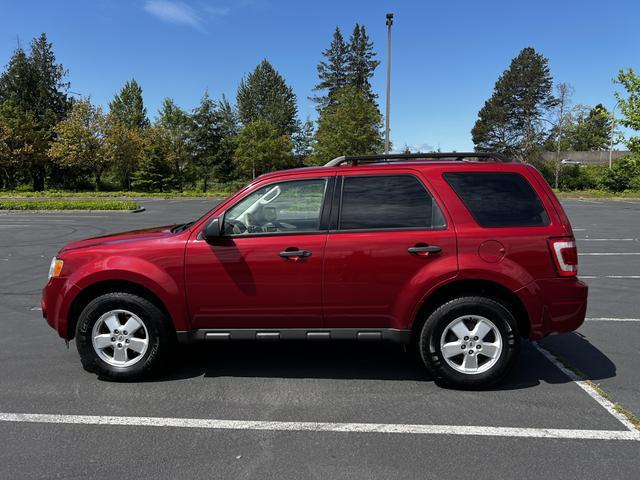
49 138
528 114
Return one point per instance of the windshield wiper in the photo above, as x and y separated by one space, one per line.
182 227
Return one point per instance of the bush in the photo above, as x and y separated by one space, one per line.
624 175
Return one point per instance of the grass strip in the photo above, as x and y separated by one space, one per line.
68 204
599 194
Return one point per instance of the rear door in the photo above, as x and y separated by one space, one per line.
390 242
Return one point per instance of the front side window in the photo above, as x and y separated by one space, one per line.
293 206
387 202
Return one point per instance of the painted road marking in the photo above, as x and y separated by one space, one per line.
610 319
622 277
609 253
605 403
606 239
258 425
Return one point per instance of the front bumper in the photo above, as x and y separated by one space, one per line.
57 297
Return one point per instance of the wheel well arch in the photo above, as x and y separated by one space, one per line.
469 287
108 286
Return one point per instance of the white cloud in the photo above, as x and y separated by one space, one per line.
174 12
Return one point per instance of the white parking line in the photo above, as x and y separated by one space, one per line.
605 403
610 319
620 277
257 425
609 253
606 239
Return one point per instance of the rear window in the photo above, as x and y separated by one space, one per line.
499 199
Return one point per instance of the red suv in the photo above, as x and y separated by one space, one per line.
460 255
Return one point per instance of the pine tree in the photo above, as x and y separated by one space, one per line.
510 121
155 172
206 137
332 72
591 129
361 62
22 142
229 131
263 94
127 107
350 127
176 124
303 143
35 84
261 149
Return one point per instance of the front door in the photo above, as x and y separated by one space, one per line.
265 271
390 244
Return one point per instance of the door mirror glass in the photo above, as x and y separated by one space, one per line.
212 231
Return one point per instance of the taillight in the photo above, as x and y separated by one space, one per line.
565 256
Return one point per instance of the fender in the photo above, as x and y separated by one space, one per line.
134 270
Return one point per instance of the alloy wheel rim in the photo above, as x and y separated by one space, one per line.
120 338
471 344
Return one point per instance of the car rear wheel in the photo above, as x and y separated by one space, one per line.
122 336
469 342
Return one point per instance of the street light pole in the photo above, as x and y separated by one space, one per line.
386 133
613 126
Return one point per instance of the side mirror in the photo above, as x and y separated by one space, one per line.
213 230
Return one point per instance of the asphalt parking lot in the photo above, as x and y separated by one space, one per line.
316 411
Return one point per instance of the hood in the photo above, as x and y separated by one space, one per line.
124 237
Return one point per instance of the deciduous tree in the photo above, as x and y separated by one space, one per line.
630 105
80 139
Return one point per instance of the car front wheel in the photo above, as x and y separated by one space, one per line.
121 336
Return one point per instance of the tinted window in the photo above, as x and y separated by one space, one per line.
499 199
388 201
278 207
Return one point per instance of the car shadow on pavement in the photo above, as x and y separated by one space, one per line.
358 361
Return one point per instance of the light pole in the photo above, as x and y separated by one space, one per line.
613 126
386 132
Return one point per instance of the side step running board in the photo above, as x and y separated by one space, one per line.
314 334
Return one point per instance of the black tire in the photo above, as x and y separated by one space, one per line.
160 336
434 326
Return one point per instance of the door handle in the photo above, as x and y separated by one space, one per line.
295 254
424 249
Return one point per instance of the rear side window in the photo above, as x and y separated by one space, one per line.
499 199
387 202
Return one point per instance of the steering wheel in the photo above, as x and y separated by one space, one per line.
237 226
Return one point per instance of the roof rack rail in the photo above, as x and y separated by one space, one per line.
399 157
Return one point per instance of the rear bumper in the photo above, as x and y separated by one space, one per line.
555 305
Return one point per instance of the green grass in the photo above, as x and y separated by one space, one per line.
67 204
218 191
599 194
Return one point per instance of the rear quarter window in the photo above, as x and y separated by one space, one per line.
499 199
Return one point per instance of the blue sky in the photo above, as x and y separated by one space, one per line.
446 55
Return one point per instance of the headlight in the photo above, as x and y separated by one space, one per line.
56 267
